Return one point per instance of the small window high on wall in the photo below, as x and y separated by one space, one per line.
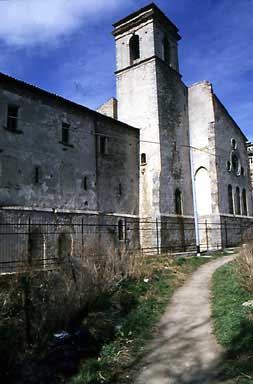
230 200
65 134
12 118
143 159
134 48
178 202
166 50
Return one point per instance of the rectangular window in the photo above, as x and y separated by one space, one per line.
103 145
37 175
65 133
85 183
12 118
120 189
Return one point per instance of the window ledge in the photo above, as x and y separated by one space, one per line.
16 131
66 144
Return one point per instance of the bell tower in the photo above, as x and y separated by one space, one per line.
141 39
152 97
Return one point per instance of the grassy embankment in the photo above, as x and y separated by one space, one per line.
134 309
233 322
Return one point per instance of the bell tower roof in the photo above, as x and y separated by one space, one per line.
149 12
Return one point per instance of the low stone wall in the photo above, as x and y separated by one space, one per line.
46 238
236 230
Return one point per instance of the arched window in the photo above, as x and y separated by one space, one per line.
237 201
230 200
121 230
134 47
178 202
65 245
203 191
166 50
244 202
36 247
233 143
143 159
235 162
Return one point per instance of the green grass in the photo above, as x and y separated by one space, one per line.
233 325
148 300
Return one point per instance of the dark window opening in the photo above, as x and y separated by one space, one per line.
12 118
230 200
242 171
134 46
121 230
244 202
120 189
143 159
65 133
238 201
37 175
234 143
85 183
229 166
166 50
235 162
178 202
103 145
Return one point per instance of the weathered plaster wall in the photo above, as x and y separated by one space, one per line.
137 105
152 97
250 155
202 132
63 168
174 141
225 131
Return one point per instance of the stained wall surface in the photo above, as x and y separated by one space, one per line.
93 171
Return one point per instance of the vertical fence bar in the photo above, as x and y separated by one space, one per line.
82 230
157 237
29 253
125 227
226 233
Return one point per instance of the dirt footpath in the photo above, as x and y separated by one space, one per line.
184 349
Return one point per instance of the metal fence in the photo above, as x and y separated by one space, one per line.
47 245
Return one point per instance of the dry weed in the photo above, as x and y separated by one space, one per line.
244 267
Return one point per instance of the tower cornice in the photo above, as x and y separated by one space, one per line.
150 12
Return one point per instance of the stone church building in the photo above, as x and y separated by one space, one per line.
158 153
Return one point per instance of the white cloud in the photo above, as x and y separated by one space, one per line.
32 22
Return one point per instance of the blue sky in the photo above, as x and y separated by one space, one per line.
66 47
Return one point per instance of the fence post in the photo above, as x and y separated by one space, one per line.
125 222
82 237
29 242
157 237
241 233
226 233
207 240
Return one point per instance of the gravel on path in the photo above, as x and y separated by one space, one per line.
184 350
